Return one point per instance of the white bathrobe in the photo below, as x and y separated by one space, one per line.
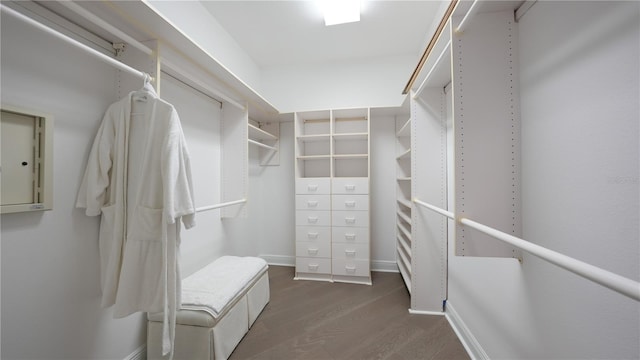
138 177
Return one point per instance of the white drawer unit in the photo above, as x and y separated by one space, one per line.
350 251
350 218
350 186
313 233
309 186
350 235
313 218
314 249
347 267
350 202
313 202
332 172
313 265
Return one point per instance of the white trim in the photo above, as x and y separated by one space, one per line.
285 260
279 260
138 354
384 266
425 312
470 343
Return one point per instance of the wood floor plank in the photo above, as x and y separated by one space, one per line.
323 320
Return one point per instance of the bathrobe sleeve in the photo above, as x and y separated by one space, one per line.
176 170
93 191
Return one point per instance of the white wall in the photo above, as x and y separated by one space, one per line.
275 188
383 193
580 161
50 273
349 84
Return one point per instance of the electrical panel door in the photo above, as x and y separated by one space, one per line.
18 158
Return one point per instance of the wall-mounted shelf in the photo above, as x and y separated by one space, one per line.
265 136
404 155
405 129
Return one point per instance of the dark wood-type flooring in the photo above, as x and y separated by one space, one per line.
322 320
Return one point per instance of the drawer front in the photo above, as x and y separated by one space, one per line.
313 265
350 185
350 218
313 218
313 186
313 202
350 235
313 234
350 267
313 249
350 251
350 202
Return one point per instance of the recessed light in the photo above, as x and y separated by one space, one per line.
340 11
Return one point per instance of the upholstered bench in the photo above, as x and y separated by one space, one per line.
220 302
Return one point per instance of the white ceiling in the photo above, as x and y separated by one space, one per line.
279 33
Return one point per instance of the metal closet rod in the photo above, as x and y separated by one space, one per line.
105 58
598 275
145 49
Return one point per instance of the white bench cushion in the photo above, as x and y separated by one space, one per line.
213 288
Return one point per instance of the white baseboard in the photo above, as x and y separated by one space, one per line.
425 312
139 354
284 260
384 266
279 260
470 343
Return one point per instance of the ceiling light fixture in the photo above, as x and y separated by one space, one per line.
340 11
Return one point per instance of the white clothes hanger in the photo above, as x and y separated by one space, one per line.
147 84
147 89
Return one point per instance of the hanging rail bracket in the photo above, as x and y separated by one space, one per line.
119 48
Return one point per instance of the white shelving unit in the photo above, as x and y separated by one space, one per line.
403 193
469 86
332 195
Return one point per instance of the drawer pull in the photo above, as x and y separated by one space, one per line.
313 267
312 219
350 220
312 204
350 269
350 204
312 235
312 251
350 187
349 236
350 253
312 187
